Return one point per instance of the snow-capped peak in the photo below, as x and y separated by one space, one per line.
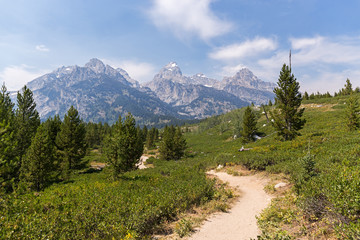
201 75
171 65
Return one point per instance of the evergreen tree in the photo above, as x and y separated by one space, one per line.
249 125
150 139
287 115
53 126
306 96
9 163
348 88
9 160
27 120
124 146
37 164
179 144
92 136
71 141
139 132
6 106
156 135
270 103
145 133
352 110
173 144
166 147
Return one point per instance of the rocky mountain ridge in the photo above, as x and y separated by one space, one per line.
102 93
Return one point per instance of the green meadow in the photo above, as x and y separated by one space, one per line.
322 166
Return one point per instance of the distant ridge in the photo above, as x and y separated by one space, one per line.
102 93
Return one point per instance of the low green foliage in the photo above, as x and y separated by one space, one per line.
183 227
92 207
323 162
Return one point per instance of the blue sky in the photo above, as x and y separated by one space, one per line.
214 37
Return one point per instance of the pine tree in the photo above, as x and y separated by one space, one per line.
6 106
352 110
27 120
71 141
156 135
179 144
150 139
145 133
249 125
166 147
348 88
53 125
173 144
9 160
38 162
306 96
270 103
9 163
139 132
287 115
124 146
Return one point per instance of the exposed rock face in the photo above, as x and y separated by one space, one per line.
102 93
189 95
199 96
99 92
246 86
246 78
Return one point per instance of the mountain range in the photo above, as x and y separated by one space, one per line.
102 93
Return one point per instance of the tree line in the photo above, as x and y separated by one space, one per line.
33 154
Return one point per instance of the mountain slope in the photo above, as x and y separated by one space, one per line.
195 100
99 92
246 86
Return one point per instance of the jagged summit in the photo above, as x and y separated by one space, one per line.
96 65
171 65
169 71
246 78
102 93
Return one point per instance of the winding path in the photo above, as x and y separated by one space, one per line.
240 222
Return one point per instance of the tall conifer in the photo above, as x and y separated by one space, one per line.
27 120
70 141
37 164
249 125
287 115
9 160
352 110
124 146
173 144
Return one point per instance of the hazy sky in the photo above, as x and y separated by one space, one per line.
214 37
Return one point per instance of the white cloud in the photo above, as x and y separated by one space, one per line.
329 81
300 43
244 49
42 48
188 17
319 63
338 50
140 71
231 70
15 77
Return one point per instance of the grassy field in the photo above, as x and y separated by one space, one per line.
322 164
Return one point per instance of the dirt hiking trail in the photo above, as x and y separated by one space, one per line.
240 222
